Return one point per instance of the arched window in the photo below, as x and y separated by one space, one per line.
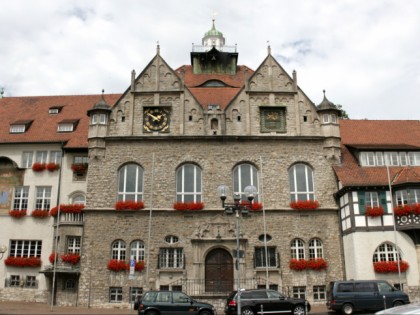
301 182
171 239
188 183
118 250
78 199
130 183
316 249
245 175
137 250
386 252
297 249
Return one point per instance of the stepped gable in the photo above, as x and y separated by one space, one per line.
43 125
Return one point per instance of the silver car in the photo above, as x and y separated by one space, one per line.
413 308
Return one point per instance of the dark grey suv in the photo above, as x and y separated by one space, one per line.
265 301
171 303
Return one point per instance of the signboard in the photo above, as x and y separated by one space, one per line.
132 264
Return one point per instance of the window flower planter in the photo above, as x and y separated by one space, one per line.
38 167
53 167
316 264
390 266
304 205
40 213
79 168
374 211
72 259
403 210
129 205
72 208
53 256
117 265
23 261
298 264
139 266
256 206
183 206
17 213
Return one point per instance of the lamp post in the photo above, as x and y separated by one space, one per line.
239 209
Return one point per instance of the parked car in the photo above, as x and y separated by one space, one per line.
358 295
171 303
265 301
413 308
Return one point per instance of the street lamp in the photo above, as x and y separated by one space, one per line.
3 249
237 208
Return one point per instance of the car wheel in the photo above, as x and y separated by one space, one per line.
205 312
247 311
397 303
347 309
152 313
299 310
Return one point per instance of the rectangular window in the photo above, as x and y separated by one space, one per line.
379 159
43 198
367 158
81 160
14 281
260 257
41 156
135 293
20 198
171 258
391 158
102 119
55 157
414 158
17 128
27 159
371 199
319 292
65 127
333 118
73 245
30 282
115 294
325 118
403 158
25 248
299 292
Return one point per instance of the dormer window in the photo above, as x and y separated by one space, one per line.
67 125
98 119
20 126
54 110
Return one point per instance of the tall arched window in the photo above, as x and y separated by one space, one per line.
245 175
130 183
297 249
386 252
118 250
137 250
188 183
301 182
316 249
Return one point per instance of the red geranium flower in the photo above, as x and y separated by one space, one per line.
390 266
304 205
17 213
117 265
40 213
72 208
298 264
374 211
71 258
23 261
38 167
129 205
188 206
52 257
317 264
52 167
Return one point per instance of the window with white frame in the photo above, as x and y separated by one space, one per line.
17 128
333 118
55 157
99 119
367 158
171 258
115 294
414 158
265 260
14 281
20 198
407 196
299 292
379 158
43 198
326 118
65 127
392 158
371 199
297 249
137 250
81 159
245 175
319 292
78 199
27 159
73 244
130 183
316 249
188 183
301 182
135 293
25 248
30 282
386 252
118 250
41 156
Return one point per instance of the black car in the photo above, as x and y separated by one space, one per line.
171 303
265 301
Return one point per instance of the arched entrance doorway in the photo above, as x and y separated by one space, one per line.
219 271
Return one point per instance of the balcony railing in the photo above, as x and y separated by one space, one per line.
407 222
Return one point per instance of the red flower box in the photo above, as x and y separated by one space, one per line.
374 211
72 208
317 264
52 167
40 213
129 205
23 261
71 258
79 168
38 167
403 210
17 213
298 264
390 266
52 257
304 205
182 206
139 266
117 265
256 206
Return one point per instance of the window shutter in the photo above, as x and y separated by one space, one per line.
382 200
362 206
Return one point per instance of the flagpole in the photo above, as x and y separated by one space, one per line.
150 218
264 224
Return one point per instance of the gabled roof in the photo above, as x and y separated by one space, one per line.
44 126
376 135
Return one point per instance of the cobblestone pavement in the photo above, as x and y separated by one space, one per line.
17 308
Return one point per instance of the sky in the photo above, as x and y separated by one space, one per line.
365 54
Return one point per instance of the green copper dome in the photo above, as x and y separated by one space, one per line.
213 32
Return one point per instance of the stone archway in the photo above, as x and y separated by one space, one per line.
219 271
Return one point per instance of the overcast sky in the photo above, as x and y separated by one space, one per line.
365 54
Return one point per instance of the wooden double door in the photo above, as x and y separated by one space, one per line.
219 271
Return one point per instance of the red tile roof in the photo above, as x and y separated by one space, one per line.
44 125
376 135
